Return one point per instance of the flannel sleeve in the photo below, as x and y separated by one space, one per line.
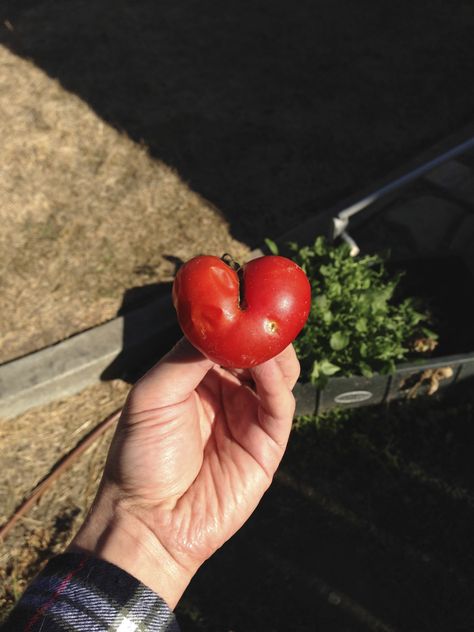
78 593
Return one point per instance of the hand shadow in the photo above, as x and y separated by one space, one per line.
150 330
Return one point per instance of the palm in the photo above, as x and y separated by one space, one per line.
200 464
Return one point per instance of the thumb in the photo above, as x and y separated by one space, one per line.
172 379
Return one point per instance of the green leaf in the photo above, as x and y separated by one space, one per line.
328 368
320 246
315 372
361 325
416 317
339 341
429 334
379 300
327 317
391 366
321 302
271 245
365 369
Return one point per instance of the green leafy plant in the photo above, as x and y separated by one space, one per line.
356 326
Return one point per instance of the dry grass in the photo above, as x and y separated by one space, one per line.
25 460
85 214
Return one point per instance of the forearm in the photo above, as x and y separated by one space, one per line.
116 535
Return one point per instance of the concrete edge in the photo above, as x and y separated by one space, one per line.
69 366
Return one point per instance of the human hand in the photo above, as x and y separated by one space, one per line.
195 449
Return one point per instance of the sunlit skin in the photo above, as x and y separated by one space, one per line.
195 449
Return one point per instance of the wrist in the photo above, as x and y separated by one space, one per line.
114 534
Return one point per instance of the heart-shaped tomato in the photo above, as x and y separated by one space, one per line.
241 318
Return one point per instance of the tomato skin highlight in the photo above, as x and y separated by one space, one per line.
276 302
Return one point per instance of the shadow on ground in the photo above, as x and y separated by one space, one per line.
270 110
141 347
367 527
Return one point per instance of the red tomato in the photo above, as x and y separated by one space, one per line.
240 319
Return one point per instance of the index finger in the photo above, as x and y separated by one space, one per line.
289 365
277 404
172 379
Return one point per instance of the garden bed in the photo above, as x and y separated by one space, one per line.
447 287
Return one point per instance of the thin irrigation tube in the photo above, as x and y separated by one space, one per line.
341 221
57 470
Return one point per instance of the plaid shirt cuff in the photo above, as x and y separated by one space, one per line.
79 593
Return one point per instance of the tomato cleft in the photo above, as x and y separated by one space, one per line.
242 301
229 260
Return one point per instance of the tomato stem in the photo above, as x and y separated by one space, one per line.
230 261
